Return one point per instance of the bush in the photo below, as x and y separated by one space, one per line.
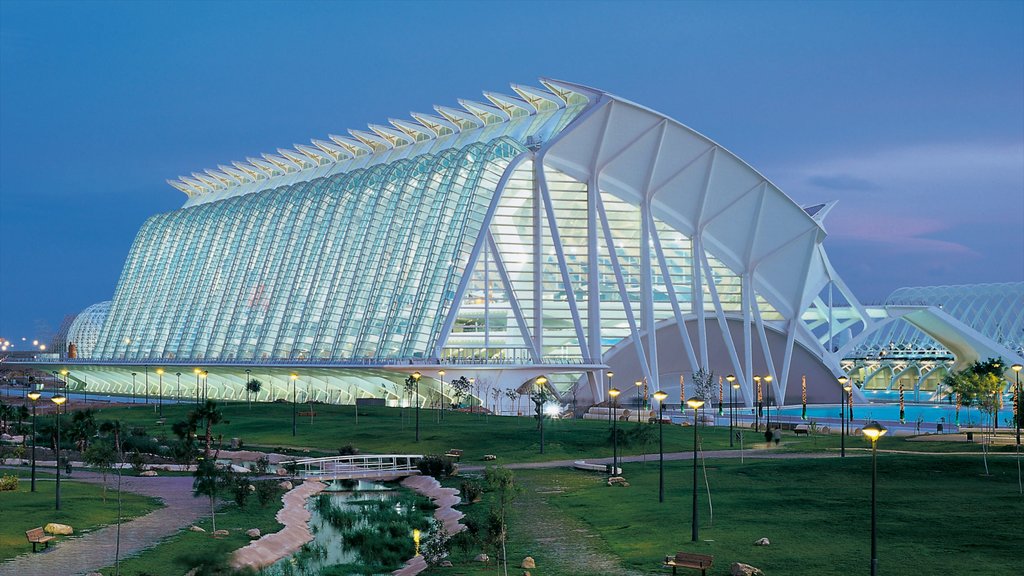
471 491
348 450
8 483
266 491
436 466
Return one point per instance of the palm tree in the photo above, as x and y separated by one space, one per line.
209 414
115 427
83 426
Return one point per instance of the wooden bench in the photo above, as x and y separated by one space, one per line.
802 429
311 414
454 454
688 560
37 536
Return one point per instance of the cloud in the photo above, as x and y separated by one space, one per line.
841 182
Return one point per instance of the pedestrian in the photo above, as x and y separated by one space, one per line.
777 436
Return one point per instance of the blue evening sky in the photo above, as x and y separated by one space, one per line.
910 114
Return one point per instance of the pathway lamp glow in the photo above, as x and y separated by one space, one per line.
613 393
660 397
844 387
541 381
416 376
874 431
610 376
1017 403
768 385
295 414
638 384
58 399
64 373
696 404
440 374
160 401
34 397
733 385
416 540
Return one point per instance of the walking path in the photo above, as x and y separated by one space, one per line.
96 549
295 517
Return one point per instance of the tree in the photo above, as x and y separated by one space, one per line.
253 386
101 455
83 427
208 481
115 428
208 415
461 387
501 482
512 395
976 385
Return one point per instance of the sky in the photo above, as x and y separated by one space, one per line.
909 114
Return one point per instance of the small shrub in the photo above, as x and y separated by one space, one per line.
137 461
348 450
472 491
8 483
436 466
262 465
266 491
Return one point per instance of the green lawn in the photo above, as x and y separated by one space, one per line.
82 508
937 515
512 439
184 550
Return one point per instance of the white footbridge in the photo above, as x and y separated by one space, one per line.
369 467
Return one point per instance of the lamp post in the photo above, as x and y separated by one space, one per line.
65 374
610 376
843 380
638 384
874 431
206 384
160 401
660 397
416 376
133 386
58 399
732 406
177 394
613 393
248 379
768 384
541 381
198 372
295 415
757 414
440 392
694 403
1018 417
34 396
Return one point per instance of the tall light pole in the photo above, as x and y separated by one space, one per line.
198 372
147 384
660 397
757 415
694 403
609 394
58 399
160 402
874 431
416 376
65 374
295 414
34 397
843 380
177 394
1017 416
206 384
768 384
133 386
541 381
638 384
732 405
613 393
440 374
248 379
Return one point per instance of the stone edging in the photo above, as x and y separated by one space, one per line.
445 499
272 547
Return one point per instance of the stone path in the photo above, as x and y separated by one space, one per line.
96 549
445 499
295 517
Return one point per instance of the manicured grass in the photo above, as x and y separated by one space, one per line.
82 508
816 512
184 550
512 439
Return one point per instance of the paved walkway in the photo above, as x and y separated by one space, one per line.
96 549
295 517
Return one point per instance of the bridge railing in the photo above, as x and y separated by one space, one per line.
338 467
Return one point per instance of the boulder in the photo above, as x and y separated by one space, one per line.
481 558
526 573
148 473
762 542
60 529
286 485
218 533
741 569
253 533
445 564
528 562
94 574
194 528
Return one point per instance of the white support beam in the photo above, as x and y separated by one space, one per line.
723 322
513 300
684 334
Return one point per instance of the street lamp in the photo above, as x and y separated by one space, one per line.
843 383
416 376
177 394
65 373
295 414
660 397
874 431
58 399
613 393
1017 416
206 384
198 372
757 415
248 379
610 376
160 402
34 396
732 405
541 381
694 403
768 384
133 386
638 384
440 374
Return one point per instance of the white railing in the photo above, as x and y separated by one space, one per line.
354 467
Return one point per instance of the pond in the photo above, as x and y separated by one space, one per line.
358 527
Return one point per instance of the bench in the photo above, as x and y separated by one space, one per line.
689 560
37 536
310 414
801 430
454 454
